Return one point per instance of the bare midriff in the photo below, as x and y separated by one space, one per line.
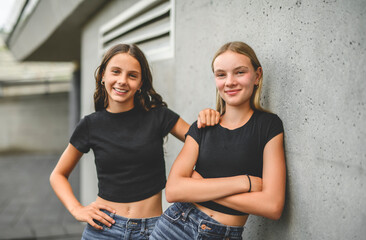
223 218
147 208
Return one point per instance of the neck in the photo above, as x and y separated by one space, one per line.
117 108
236 116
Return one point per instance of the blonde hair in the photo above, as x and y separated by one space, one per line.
245 49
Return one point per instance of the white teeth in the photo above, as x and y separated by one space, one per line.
120 90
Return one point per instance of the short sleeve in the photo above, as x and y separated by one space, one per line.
167 119
275 127
80 137
194 132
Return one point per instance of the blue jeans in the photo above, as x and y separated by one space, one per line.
183 221
124 228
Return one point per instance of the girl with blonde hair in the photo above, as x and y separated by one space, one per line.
236 168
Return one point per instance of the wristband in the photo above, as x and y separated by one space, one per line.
250 183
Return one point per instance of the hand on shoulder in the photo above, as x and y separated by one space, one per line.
208 117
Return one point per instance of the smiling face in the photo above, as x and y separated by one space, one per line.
122 78
235 78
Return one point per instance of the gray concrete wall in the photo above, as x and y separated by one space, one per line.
37 123
313 55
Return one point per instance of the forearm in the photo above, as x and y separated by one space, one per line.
187 189
262 204
63 190
269 201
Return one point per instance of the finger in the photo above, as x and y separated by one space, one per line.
217 117
202 117
107 218
213 118
198 123
208 118
102 220
109 209
94 225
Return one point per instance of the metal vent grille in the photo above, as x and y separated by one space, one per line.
148 23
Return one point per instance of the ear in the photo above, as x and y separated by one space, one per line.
258 74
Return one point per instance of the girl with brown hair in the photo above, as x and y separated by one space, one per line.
126 135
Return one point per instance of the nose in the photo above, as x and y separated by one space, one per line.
230 80
122 80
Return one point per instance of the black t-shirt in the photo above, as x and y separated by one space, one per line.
128 150
225 153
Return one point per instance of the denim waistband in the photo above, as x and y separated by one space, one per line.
207 224
138 223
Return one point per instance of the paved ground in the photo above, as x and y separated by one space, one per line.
28 207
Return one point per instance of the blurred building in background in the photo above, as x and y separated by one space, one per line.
313 56
34 98
34 130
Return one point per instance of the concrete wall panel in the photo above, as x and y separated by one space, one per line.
313 55
36 123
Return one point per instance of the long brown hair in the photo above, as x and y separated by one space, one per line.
146 99
245 49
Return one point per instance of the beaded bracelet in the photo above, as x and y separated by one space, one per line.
250 183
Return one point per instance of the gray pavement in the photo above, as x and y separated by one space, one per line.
29 209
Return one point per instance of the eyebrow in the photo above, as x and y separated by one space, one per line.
134 71
235 69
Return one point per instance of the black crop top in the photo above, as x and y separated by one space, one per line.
128 150
225 153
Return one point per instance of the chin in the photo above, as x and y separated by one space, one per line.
237 103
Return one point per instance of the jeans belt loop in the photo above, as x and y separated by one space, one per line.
227 233
187 211
143 225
